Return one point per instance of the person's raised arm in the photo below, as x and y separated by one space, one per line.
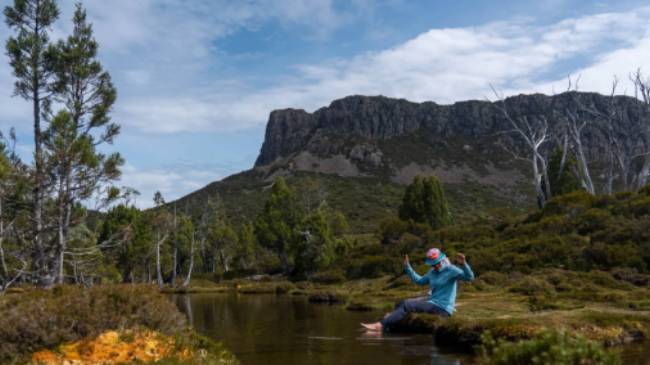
466 274
420 280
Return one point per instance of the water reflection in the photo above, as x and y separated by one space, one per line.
270 329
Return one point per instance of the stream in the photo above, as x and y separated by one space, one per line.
268 329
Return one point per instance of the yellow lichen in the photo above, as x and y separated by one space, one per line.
113 348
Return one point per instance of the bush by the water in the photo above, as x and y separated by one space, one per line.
333 276
38 319
549 347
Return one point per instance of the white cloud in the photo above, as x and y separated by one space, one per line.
172 181
165 59
163 55
444 65
167 49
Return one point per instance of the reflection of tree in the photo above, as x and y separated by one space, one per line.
187 308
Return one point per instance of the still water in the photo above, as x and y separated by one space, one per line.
285 329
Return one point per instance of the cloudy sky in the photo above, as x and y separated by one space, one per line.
197 79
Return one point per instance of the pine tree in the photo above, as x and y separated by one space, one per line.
224 244
71 141
277 226
132 256
245 256
339 224
11 196
424 201
183 238
31 54
562 175
317 247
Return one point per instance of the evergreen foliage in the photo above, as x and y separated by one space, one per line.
31 56
277 227
304 239
317 247
245 253
424 202
562 176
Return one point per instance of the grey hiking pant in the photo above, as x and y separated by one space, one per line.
417 305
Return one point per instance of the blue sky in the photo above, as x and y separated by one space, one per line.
197 79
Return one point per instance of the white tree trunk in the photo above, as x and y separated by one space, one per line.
642 180
186 283
159 278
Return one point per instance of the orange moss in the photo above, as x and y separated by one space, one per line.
112 347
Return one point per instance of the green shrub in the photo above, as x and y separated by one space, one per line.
640 206
593 219
602 278
391 230
569 203
555 224
410 242
38 319
373 266
529 285
606 256
623 195
493 278
206 276
631 275
541 302
645 190
399 281
333 276
549 347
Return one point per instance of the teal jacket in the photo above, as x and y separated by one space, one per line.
443 283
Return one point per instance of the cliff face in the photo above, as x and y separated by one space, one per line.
376 119
360 151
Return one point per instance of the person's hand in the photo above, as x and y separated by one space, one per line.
461 258
406 260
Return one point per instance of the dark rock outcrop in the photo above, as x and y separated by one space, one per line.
380 118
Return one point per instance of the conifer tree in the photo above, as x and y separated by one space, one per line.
561 174
424 202
87 93
246 247
317 247
132 256
31 55
276 227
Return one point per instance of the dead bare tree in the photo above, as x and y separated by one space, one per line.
575 121
161 222
625 145
534 131
161 237
83 258
575 126
642 92
175 246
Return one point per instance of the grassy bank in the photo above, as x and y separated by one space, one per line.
74 323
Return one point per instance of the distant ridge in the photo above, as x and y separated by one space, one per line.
373 145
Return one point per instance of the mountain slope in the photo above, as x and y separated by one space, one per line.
358 153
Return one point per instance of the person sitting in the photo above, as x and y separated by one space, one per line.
442 280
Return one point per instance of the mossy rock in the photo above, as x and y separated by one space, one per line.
326 297
359 307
